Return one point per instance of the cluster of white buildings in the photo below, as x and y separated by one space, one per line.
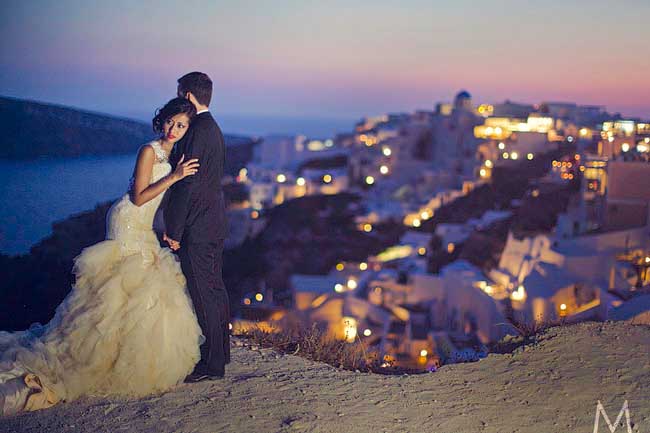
592 266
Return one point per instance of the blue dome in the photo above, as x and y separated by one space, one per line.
463 94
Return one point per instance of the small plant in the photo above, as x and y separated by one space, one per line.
317 345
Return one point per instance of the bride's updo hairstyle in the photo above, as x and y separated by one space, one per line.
171 109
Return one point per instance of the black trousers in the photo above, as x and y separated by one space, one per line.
202 266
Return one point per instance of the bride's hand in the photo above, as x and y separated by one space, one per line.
184 169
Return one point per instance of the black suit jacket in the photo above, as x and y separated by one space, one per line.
195 207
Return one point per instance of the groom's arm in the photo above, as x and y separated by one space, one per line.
180 194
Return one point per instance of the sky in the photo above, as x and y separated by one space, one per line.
328 59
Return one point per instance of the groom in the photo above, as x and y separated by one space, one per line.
196 226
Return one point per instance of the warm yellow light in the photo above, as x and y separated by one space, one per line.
489 130
349 329
498 130
259 297
300 181
582 168
519 294
367 228
367 332
338 287
255 214
383 169
625 147
230 326
422 251
247 301
423 352
386 151
281 178
506 155
363 266
643 148
583 132
416 223
451 247
327 178
340 266
488 163
488 289
535 193
482 172
424 215
530 156
514 155
647 259
370 180
563 307
502 146
352 284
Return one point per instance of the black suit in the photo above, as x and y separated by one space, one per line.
195 215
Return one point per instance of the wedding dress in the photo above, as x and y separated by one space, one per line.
127 327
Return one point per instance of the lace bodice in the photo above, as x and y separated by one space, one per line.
131 224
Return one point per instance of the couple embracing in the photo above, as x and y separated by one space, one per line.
140 318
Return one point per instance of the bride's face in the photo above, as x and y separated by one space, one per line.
175 127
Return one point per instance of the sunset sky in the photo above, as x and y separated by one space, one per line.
339 59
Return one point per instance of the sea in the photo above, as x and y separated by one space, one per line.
35 194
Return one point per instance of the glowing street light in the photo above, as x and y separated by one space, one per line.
327 178
530 156
370 180
416 223
386 151
363 266
281 178
383 169
519 294
300 181
259 297
349 329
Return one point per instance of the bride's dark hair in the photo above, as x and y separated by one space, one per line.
171 109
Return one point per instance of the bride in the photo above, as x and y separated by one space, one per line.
128 326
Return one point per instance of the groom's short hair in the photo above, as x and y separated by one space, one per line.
199 84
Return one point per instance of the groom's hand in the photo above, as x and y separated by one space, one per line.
174 245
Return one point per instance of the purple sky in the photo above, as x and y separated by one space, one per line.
336 59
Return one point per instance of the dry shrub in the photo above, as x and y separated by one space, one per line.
528 333
317 345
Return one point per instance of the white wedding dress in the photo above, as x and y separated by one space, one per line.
128 326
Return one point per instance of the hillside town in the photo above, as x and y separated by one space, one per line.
575 246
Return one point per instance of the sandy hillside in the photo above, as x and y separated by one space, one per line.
552 386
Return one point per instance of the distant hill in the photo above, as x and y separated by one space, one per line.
33 130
